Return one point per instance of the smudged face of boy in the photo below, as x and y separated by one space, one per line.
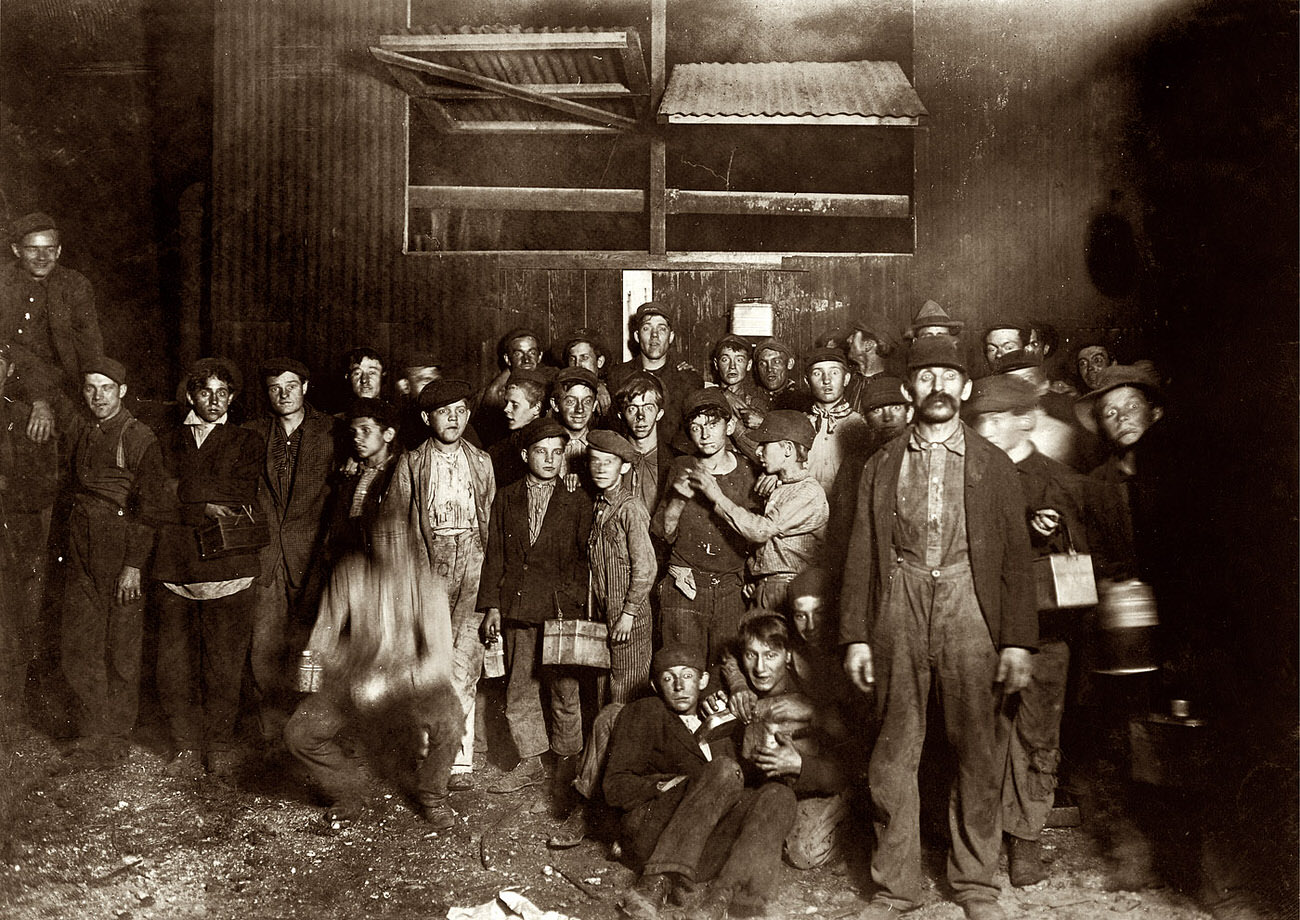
807 616
681 686
709 432
544 457
765 666
369 437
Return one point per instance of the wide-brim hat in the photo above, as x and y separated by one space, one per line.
935 351
1140 375
931 314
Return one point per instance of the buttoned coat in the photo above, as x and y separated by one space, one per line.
74 324
527 582
296 518
996 534
408 495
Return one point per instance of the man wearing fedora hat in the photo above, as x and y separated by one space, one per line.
440 501
47 314
204 605
938 588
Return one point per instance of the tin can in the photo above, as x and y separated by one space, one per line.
1126 615
494 659
308 675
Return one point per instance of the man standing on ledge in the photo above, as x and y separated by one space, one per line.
938 583
652 329
47 314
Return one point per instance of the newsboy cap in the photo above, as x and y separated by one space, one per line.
539 429
113 370
822 355
706 398
676 656
274 367
571 376
35 222
935 351
785 425
648 309
773 344
443 392
734 342
882 390
611 442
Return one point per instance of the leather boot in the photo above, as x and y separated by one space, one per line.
1024 862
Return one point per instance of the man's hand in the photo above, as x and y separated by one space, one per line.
704 481
219 511
1014 667
40 424
743 705
766 484
782 760
623 628
785 707
1045 521
858 666
603 399
714 703
682 485
492 624
128 585
665 784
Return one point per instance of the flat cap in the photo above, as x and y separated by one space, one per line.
823 355
676 656
274 367
420 359
519 332
785 425
1022 328
572 376
585 334
35 222
935 351
648 309
444 392
527 376
539 429
706 398
113 370
611 442
1017 360
773 344
882 390
732 341
1140 374
811 582
931 314
1001 393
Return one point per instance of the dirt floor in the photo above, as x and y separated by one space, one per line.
133 842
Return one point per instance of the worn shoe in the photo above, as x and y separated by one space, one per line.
983 909
223 765
571 832
714 906
185 764
341 814
438 814
1024 862
460 782
647 897
882 910
528 772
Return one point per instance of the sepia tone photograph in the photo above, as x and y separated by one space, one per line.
649 459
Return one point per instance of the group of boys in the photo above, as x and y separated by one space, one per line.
712 529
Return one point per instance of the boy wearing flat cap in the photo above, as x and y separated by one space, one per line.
440 501
623 565
204 605
1001 409
536 569
841 433
573 404
701 599
791 531
109 544
299 445
733 362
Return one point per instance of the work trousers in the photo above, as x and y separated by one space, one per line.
525 677
719 830
591 769
277 640
1032 724
100 639
459 560
707 622
930 628
311 735
201 650
815 838
23 548
629 663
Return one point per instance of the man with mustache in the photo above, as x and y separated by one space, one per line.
938 587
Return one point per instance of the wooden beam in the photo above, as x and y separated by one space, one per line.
634 70
631 259
568 90
413 87
504 41
658 196
455 74
533 127
658 38
512 198
811 204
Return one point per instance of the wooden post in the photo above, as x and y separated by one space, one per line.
658 38
658 197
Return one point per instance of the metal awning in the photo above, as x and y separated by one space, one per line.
791 93
502 79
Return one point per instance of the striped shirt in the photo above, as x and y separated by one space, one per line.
622 558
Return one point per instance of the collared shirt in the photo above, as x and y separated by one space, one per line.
539 496
451 493
840 433
364 480
102 465
693 723
643 479
284 454
200 429
622 558
931 501
796 513
575 459
32 329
